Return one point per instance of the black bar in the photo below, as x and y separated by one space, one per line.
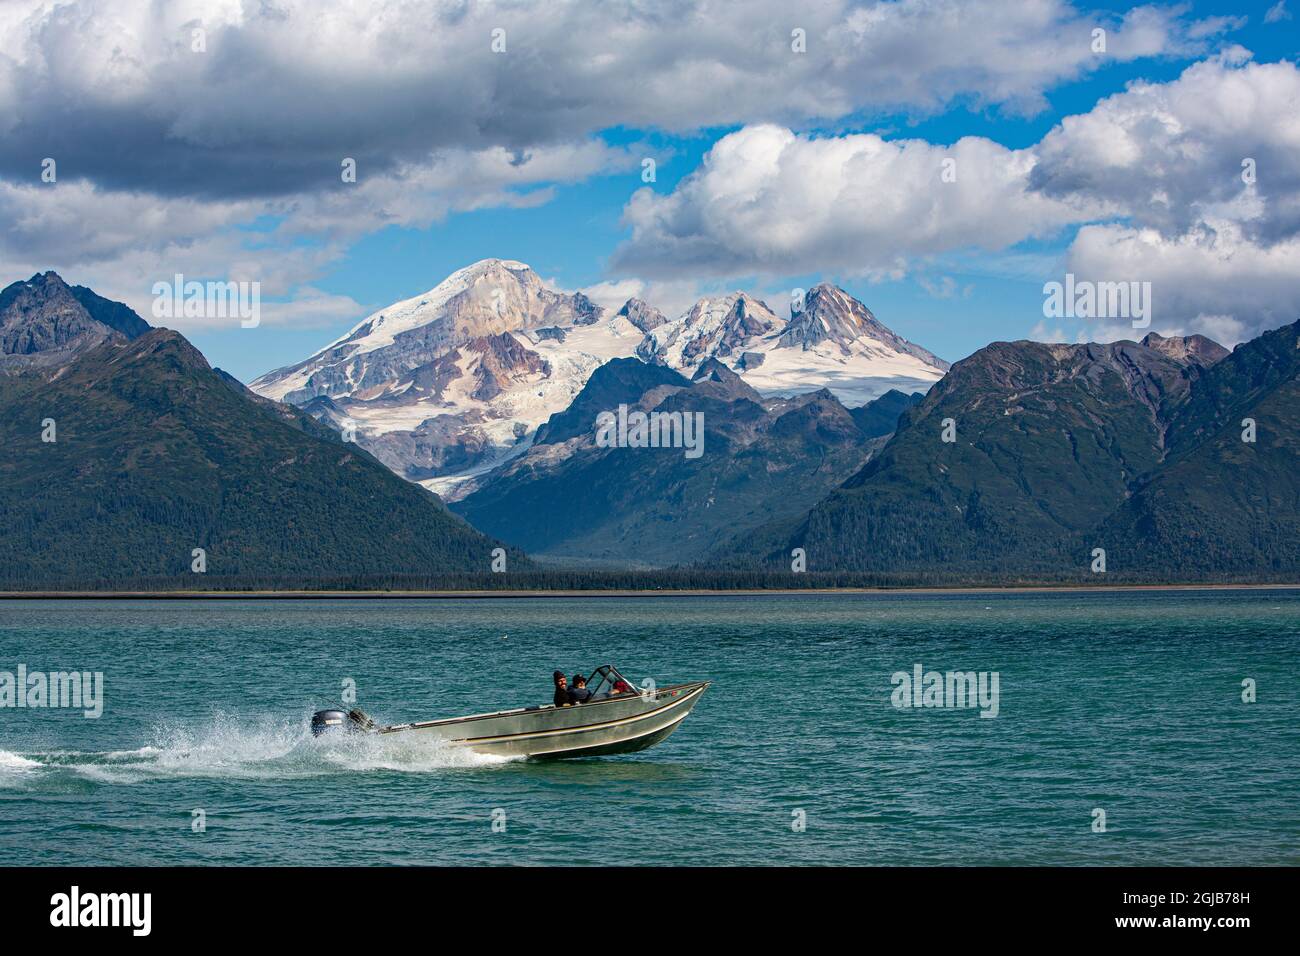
543 907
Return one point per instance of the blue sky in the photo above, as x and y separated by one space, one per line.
952 300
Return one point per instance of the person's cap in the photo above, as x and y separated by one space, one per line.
558 675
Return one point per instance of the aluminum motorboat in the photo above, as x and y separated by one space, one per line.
615 720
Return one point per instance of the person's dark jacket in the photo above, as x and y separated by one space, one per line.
561 696
579 695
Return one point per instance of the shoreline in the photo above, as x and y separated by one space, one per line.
298 595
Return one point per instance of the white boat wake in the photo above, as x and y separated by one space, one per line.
235 748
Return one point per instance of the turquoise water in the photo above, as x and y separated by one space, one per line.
1129 703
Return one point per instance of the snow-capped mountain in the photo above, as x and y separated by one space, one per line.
490 297
446 386
832 342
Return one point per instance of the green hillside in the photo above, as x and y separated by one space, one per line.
158 454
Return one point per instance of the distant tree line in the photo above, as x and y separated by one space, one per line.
613 580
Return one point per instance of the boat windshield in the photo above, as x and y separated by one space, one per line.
606 681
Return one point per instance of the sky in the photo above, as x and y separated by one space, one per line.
939 159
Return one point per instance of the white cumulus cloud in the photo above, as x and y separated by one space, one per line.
1192 185
769 201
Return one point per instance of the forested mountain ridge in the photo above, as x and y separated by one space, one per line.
124 461
1028 456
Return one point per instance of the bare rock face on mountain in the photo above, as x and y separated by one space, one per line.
585 312
503 360
451 384
1196 349
641 314
44 322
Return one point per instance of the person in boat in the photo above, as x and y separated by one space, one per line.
578 693
620 687
561 689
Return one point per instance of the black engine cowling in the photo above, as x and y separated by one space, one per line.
338 721
329 721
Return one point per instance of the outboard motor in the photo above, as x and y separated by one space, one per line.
329 721
333 721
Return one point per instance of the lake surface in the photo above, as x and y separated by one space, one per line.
1125 703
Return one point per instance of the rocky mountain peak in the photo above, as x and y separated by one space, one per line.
711 370
711 327
831 315
585 311
642 315
833 339
45 322
487 298
715 380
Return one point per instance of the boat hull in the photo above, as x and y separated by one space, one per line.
618 725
